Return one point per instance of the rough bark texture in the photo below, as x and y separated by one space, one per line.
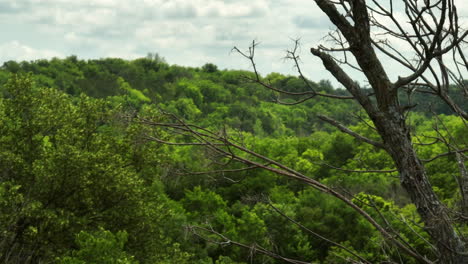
414 180
390 123
463 182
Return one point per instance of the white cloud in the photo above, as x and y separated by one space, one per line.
236 9
186 32
14 50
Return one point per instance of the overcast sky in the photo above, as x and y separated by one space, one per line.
185 32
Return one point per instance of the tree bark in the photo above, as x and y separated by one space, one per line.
389 120
463 182
414 180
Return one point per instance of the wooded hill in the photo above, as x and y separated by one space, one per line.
83 180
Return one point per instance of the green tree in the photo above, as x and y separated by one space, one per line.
68 165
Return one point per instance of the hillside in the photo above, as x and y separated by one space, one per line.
83 179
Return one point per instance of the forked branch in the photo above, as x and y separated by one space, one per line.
224 145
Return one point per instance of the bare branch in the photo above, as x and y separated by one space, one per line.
317 235
350 132
290 55
355 171
221 171
283 170
463 182
344 79
226 241
445 155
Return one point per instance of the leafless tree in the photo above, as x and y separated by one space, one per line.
365 37
432 30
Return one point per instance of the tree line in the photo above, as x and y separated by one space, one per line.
84 180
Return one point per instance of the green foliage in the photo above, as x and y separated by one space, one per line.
191 93
69 166
81 183
135 95
101 247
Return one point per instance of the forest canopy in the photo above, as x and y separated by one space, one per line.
83 181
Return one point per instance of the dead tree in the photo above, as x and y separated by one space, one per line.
432 31
436 61
436 39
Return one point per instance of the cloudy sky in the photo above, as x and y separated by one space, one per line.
185 32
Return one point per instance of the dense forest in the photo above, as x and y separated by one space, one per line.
85 176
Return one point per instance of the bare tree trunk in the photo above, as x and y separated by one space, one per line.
414 180
463 182
387 114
